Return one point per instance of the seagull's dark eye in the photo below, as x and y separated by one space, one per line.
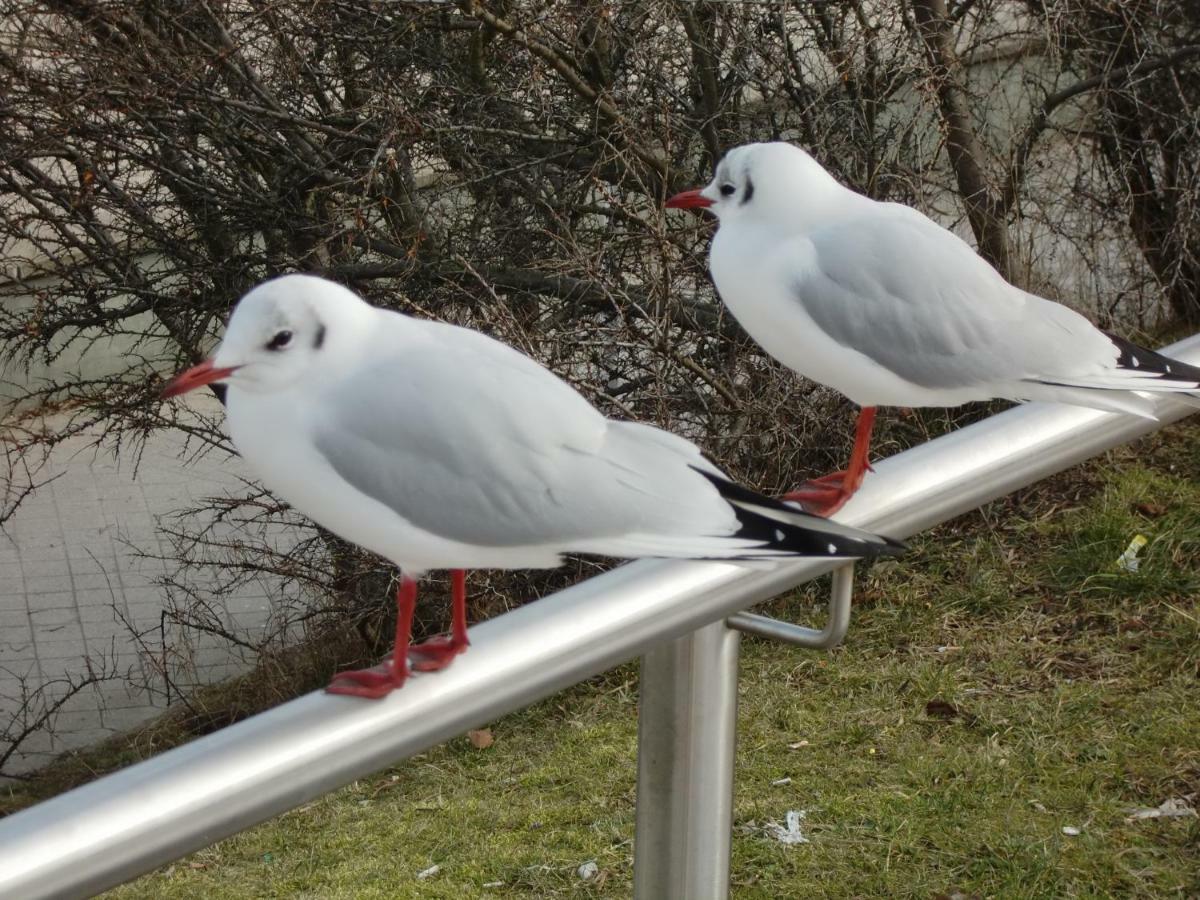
728 190
281 340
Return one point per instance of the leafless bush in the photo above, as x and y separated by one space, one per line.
36 708
24 454
503 165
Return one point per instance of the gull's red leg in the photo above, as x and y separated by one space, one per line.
826 495
437 653
390 674
859 457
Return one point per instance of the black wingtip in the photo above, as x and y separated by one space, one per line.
895 546
789 533
801 540
1136 358
737 493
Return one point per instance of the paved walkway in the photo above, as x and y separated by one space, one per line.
74 593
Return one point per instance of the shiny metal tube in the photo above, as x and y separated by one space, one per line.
687 733
128 823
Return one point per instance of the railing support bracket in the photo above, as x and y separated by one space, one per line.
840 594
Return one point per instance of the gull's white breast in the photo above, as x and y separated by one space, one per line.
756 285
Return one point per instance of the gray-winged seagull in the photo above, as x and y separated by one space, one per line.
881 303
438 447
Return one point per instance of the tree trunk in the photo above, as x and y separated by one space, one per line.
985 208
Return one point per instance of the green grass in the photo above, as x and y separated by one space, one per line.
1002 681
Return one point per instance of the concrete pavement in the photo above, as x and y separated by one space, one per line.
74 592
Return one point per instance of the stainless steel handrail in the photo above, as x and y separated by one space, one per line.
130 822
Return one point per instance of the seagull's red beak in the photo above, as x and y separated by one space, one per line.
688 200
196 376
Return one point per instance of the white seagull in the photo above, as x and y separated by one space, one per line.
881 303
438 447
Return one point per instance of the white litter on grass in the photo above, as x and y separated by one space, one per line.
1071 831
1128 561
588 870
778 782
492 884
797 745
428 873
1172 808
790 834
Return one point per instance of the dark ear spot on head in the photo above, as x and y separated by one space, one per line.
749 191
320 337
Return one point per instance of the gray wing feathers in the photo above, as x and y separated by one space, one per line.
462 436
479 444
662 492
922 303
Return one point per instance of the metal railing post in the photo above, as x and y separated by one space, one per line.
687 727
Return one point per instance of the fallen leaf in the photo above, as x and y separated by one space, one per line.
1150 510
481 738
937 708
941 709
